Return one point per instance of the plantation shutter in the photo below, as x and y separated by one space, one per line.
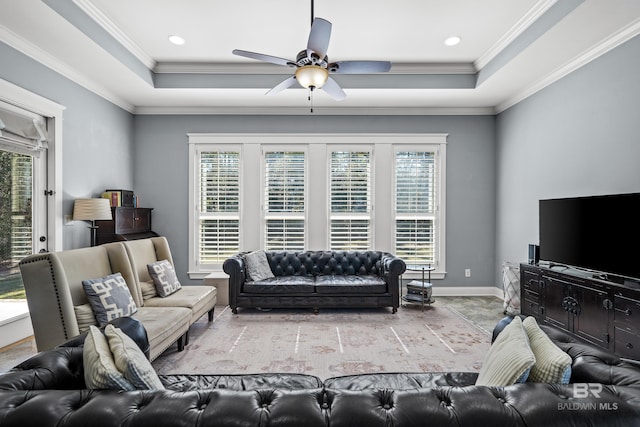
415 207
219 206
284 201
350 200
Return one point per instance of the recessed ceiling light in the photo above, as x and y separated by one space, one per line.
176 40
452 41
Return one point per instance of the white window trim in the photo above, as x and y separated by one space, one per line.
194 203
319 147
440 200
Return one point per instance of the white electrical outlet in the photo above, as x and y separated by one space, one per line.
467 272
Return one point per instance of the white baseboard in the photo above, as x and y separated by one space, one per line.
467 291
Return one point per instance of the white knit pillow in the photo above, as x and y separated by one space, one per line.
131 361
552 364
509 358
100 370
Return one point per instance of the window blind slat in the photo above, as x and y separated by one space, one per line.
415 206
219 185
350 225
284 194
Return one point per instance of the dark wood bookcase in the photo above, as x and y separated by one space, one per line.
127 224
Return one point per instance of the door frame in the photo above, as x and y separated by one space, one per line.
53 111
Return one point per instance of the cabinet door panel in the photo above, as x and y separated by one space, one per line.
555 291
125 220
142 218
593 322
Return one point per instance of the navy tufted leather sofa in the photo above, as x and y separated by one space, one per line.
315 279
49 390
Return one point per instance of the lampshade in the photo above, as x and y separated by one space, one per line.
91 209
312 76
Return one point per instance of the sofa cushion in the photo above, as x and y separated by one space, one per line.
164 277
164 325
552 364
509 358
109 297
100 371
365 284
196 297
282 285
84 317
131 361
257 266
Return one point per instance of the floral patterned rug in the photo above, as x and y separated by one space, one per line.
332 343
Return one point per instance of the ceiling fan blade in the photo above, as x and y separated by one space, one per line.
359 67
282 85
334 90
319 38
266 58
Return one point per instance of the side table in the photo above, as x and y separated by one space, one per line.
220 280
419 291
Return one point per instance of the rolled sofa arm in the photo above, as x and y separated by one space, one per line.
235 268
393 265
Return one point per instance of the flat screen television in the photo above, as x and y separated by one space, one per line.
600 233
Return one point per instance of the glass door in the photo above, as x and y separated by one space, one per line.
22 217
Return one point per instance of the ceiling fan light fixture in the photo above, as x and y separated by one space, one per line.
312 76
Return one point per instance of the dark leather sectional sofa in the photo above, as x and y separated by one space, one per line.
49 390
315 279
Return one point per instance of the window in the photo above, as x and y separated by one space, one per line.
284 196
316 192
415 206
350 217
219 206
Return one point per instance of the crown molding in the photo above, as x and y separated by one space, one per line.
114 31
319 111
265 68
533 15
29 49
623 35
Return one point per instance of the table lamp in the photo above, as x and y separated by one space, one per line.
92 210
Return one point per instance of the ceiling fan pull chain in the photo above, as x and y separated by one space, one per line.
311 97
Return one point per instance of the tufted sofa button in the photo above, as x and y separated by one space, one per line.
387 406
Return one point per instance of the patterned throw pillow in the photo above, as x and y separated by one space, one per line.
109 297
258 266
131 361
552 364
164 278
509 359
100 371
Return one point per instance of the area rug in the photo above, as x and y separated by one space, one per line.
332 343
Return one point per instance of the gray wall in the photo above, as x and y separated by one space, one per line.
577 137
161 176
97 136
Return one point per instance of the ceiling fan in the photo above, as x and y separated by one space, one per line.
312 64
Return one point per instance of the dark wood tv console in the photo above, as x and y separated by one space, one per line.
595 307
